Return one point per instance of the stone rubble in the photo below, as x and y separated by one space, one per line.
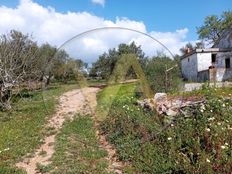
165 106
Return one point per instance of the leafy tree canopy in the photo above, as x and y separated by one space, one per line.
214 26
106 62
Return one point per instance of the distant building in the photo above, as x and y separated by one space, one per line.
214 64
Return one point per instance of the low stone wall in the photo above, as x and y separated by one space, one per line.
197 86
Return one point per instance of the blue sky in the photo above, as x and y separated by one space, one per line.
171 22
159 15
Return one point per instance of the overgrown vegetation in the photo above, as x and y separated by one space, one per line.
77 149
163 74
22 129
198 141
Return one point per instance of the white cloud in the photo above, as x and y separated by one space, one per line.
48 25
100 2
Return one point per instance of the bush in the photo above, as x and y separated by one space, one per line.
155 72
198 143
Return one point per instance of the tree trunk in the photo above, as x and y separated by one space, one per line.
5 99
48 80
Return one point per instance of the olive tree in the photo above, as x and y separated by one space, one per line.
17 64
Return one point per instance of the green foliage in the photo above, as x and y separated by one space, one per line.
77 149
106 97
23 62
22 129
190 47
129 61
214 26
199 142
106 63
160 80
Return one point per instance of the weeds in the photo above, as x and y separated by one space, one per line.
199 143
77 149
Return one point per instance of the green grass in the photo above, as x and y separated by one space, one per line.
106 97
94 82
22 129
77 149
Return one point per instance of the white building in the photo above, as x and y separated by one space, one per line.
209 64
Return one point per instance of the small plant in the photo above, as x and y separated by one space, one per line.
43 168
43 153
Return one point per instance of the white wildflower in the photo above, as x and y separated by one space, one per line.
207 129
6 149
219 124
223 147
223 105
211 119
207 160
169 138
211 110
226 144
202 107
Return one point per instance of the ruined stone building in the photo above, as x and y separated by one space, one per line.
212 64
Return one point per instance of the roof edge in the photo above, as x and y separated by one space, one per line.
207 50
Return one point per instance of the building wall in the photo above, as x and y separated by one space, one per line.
223 73
204 61
221 59
189 67
196 67
203 76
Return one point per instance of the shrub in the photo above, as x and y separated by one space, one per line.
199 142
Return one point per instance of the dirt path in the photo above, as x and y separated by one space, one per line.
81 101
